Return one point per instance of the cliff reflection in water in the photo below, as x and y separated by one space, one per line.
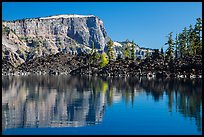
61 101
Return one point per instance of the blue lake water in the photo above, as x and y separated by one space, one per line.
61 105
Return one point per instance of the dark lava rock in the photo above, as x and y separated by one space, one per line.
158 66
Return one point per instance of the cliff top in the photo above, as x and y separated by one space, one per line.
67 16
55 17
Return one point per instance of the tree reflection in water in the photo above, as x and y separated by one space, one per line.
62 101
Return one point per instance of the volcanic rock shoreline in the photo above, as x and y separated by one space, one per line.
67 64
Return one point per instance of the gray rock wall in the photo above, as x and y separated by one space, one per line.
83 29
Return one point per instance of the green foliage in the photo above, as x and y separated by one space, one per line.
92 48
133 51
198 36
185 37
182 45
162 51
34 43
104 60
191 47
176 46
187 43
127 51
190 41
6 30
147 53
170 49
110 50
95 57
155 54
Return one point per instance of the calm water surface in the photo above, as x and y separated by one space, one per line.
79 105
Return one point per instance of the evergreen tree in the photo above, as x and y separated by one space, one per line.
104 60
198 37
176 46
95 57
133 51
120 51
155 54
182 45
127 50
170 49
192 35
110 50
147 53
162 51
185 36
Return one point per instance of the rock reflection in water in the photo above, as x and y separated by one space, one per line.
49 102
61 101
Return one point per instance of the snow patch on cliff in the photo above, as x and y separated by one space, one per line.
117 44
67 16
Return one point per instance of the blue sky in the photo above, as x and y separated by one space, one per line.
147 23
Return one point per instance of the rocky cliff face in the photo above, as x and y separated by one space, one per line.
59 29
13 49
50 35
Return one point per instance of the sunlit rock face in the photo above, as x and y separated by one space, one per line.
13 49
140 52
49 35
82 29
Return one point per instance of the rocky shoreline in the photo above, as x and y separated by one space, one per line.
66 64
